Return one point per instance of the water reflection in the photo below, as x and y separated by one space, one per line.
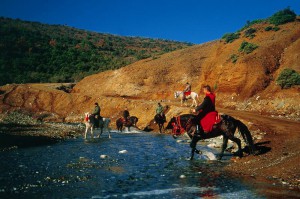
154 166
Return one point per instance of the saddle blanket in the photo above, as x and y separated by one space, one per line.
209 120
187 93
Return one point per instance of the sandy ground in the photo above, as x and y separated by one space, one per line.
279 161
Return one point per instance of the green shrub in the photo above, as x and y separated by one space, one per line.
287 78
268 28
275 28
282 17
247 47
230 37
250 23
234 58
250 32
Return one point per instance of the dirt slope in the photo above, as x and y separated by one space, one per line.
248 84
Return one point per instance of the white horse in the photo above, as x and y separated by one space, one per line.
89 121
193 96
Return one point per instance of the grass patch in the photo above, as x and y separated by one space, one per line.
230 37
234 58
249 33
247 47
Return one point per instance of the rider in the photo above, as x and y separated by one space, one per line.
160 110
208 104
187 91
96 114
126 114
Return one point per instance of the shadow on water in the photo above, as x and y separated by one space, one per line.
137 165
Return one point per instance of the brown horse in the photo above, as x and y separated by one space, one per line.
132 121
226 128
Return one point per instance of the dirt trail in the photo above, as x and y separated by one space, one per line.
278 165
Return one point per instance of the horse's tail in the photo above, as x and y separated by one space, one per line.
244 131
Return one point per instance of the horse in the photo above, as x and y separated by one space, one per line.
194 96
160 120
132 121
90 121
226 127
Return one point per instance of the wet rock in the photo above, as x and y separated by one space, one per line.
208 155
182 176
103 156
83 159
123 151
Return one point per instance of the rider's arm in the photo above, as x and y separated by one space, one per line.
204 104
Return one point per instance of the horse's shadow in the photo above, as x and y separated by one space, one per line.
260 148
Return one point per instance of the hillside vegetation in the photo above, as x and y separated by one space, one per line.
258 71
35 52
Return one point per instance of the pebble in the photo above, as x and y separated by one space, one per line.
182 176
123 151
103 156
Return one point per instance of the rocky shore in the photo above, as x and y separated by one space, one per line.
18 129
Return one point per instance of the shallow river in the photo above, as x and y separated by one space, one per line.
139 165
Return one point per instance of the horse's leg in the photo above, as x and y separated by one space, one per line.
224 146
193 146
194 102
86 130
238 142
108 129
92 132
101 131
160 128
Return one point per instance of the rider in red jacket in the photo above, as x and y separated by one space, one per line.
208 104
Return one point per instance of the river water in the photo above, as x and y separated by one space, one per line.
130 165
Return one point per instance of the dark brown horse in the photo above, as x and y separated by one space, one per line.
160 120
132 121
226 128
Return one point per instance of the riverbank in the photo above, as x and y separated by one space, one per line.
20 130
278 161
277 140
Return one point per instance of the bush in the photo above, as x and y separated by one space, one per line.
275 28
250 32
282 17
230 37
247 47
234 58
287 78
250 23
268 28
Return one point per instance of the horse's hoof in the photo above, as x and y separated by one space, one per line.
219 157
198 152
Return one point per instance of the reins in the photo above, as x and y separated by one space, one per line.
177 128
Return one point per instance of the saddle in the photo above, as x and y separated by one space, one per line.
188 93
210 121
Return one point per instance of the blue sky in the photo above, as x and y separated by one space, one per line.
195 21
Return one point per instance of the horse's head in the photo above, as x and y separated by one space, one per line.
170 123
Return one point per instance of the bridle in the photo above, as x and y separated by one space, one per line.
177 127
